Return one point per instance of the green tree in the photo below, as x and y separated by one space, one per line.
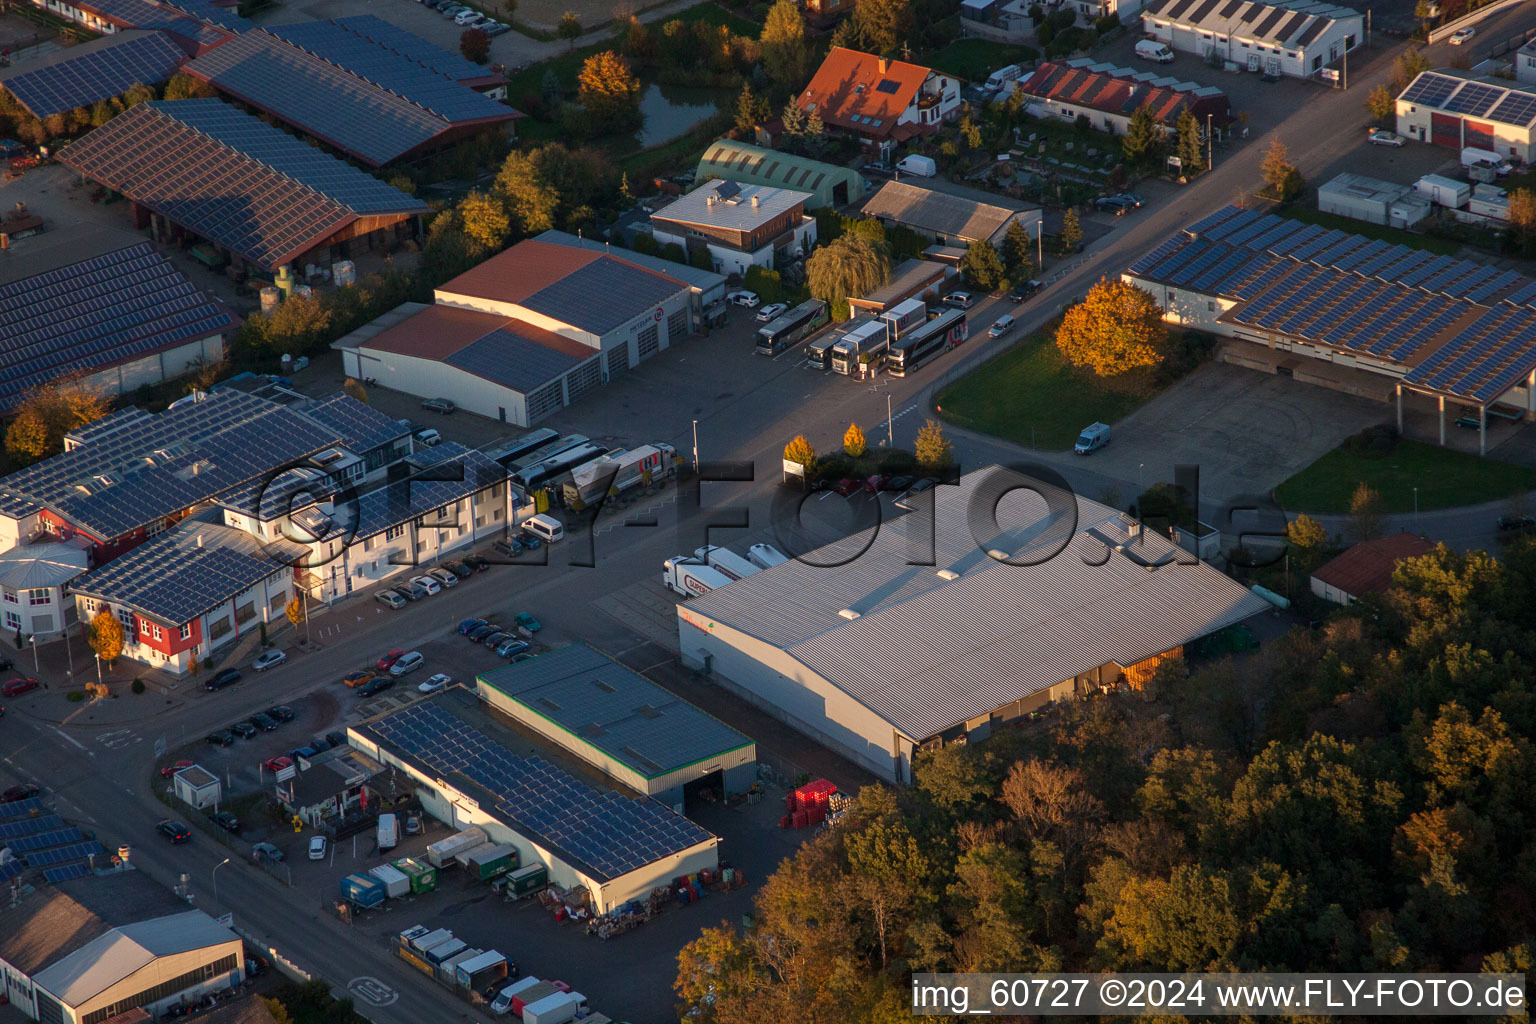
751 110
1381 105
952 777
106 636
853 440
883 24
136 94
297 325
485 221
475 45
609 90
850 266
550 90
1421 10
1410 64
982 266
1365 512
793 117
787 51
1190 153
932 448
888 869
1071 234
1142 138
970 132
1118 327
815 132
569 28
1018 252
532 201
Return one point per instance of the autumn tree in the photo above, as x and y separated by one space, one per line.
800 450
106 636
1281 177
982 266
475 45
609 90
1309 538
1522 217
297 325
1381 104
883 25
1118 327
1365 511
46 414
852 265
793 118
569 28
485 221
853 440
1142 138
1411 63
932 448
1019 252
354 387
1071 234
531 201
787 51
183 86
294 610
1189 150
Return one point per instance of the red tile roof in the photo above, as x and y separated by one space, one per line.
852 84
436 332
516 273
1119 93
1367 567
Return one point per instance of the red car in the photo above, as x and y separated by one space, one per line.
18 686
846 486
276 764
390 658
172 769
876 482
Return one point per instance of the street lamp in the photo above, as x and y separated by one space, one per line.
32 639
695 447
216 878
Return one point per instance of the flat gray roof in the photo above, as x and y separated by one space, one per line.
926 652
615 709
729 204
53 921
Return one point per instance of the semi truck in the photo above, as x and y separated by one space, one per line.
766 556
620 470
686 575
441 853
726 561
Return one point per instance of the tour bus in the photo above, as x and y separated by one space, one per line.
792 327
523 446
535 477
870 340
819 352
923 343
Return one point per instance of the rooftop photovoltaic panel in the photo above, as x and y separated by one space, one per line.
1484 292
290 196
625 290
1430 89
10 869
64 874
406 44
1517 108
29 826
513 361
98 70
20 808
45 840
146 15
1242 235
1298 236
206 10
79 851
1425 271
1474 98
1355 257
1475 276
177 583
1222 223
1522 295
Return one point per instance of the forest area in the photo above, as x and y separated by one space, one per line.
1353 797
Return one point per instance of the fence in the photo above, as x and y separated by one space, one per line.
1508 43
1445 31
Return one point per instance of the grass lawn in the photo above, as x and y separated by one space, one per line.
1031 395
1445 479
1309 215
973 59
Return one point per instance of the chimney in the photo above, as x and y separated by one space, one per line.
199 540
755 203
884 65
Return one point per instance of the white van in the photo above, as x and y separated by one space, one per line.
1155 51
389 833
1002 76
1472 156
1093 437
547 528
916 163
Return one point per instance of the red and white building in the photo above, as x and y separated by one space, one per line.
882 101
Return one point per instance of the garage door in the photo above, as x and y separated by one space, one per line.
543 402
649 342
1446 130
1479 134
583 379
618 361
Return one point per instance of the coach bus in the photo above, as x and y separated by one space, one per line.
819 352
923 343
792 327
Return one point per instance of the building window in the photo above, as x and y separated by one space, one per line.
186 631
1210 306
36 597
154 629
130 625
394 532
192 978
10 595
12 620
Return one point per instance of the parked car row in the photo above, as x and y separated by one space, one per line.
433 581
262 721
502 639
526 540
884 482
468 17
1118 204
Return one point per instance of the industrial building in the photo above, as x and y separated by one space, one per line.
78 76
913 279
877 658
740 226
1456 109
196 25
949 219
622 724
1107 96
120 321
348 91
84 948
1460 332
175 160
706 288
1373 200
615 846
519 337
828 184
1280 37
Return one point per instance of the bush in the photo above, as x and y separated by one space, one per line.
75 696
767 283
897 462
645 243
1105 25
138 686
834 466
1373 442
674 252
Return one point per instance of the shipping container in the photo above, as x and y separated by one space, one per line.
552 1009
486 861
423 876
528 879
422 943
444 950
448 970
483 970
396 883
363 890
441 853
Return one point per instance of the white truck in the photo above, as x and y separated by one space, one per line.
441 853
1472 156
1000 82
389 832
690 577
922 166
766 556
556 1009
622 470
727 561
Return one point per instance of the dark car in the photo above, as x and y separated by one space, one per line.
470 625
876 482
228 677
5 663
336 739
459 569
226 821
266 723
1109 204
283 713
221 738
528 540
1131 199
481 632
898 483
1024 291
245 730
25 791
411 591
476 563
496 639
1516 524
926 483
846 486
508 548
174 830
378 684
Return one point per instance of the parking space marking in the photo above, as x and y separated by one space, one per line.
372 991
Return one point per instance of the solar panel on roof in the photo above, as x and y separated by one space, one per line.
108 70
64 874
44 840
20 808
30 826
1486 291
1474 98
10 869
1517 108
43 858
1523 295
1430 89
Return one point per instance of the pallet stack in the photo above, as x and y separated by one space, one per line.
808 805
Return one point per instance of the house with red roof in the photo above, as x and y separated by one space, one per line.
1108 96
879 100
1366 568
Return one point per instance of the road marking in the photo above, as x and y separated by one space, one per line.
372 991
76 742
117 739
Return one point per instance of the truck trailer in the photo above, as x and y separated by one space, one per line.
553 1009
441 853
726 561
620 470
363 891
686 575
766 556
522 999
486 861
396 883
526 880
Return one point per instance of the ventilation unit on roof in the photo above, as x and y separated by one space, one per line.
603 686
592 730
647 711
849 614
947 574
549 704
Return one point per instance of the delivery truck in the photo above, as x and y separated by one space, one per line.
389 832
396 882
503 1001
526 880
441 853
766 556
486 861
686 575
448 970
620 470
726 561
532 994
1472 156
922 166
363 891
553 1009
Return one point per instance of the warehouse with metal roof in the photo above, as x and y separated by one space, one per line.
622 724
348 91
1462 333
949 219
828 184
876 657
122 320
518 337
79 76
177 159
1453 108
467 772
1277 37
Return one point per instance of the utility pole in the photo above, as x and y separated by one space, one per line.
890 427
695 447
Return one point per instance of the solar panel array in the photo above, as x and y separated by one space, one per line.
603 833
234 179
9 870
104 69
143 14
20 808
64 874
29 826
206 10
625 289
64 854
443 483
406 44
361 427
1506 103
1427 312
511 360
174 581
98 313
45 840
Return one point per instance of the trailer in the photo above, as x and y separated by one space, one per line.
686 575
905 315
522 999
441 853
423 876
363 891
558 1008
527 880
766 556
486 862
426 940
619 471
396 882
477 973
727 562
448 971
445 950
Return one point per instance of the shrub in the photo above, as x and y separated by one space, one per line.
138 686
834 466
897 462
767 283
645 243
75 696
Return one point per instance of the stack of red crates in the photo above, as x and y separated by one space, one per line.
808 804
